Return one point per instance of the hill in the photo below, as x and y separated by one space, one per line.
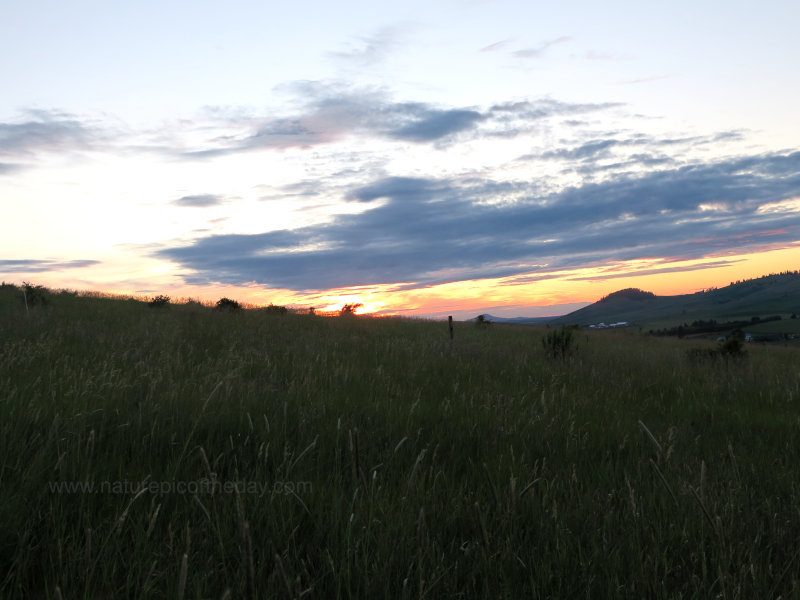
513 320
768 295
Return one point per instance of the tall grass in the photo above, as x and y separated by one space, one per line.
393 462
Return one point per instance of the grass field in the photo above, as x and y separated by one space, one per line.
180 452
785 325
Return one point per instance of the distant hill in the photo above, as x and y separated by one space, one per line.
771 294
514 320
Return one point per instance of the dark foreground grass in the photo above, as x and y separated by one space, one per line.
183 453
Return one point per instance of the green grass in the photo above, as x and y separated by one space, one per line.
397 463
785 325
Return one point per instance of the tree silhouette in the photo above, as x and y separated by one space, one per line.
226 304
349 309
159 301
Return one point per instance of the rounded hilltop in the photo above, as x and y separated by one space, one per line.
628 294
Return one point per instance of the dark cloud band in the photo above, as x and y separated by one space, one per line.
41 266
426 231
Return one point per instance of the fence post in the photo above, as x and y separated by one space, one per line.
450 323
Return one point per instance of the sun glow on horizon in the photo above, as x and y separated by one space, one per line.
520 295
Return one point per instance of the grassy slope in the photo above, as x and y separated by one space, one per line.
476 468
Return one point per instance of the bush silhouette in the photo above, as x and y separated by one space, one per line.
730 349
349 309
559 343
35 295
481 321
228 305
159 301
272 309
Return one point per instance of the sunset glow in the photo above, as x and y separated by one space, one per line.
418 159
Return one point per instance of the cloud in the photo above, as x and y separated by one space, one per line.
540 50
410 189
325 113
591 151
373 49
46 131
496 46
9 168
39 134
40 266
658 270
199 200
511 119
329 113
430 125
425 231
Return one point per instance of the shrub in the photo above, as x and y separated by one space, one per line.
272 309
349 310
35 295
730 349
696 354
159 301
481 321
559 343
228 305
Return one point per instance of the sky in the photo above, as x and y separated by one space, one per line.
421 158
